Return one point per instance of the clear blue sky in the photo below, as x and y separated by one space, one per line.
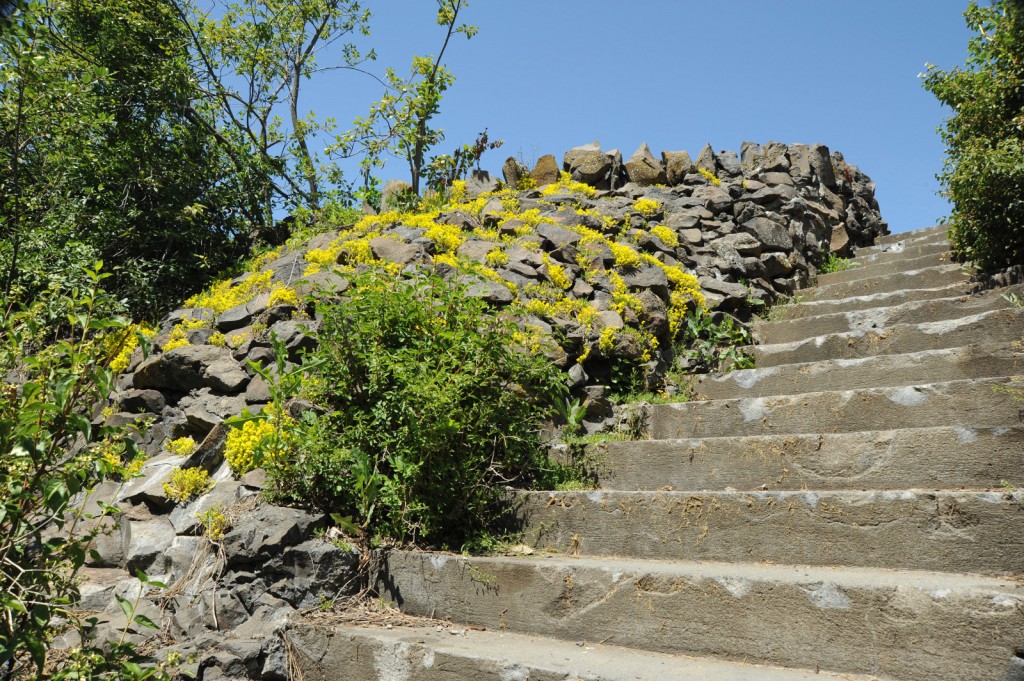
548 75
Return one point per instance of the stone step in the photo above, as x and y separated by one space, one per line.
858 271
963 531
927 366
899 251
915 312
971 403
914 626
902 244
997 326
453 653
940 457
927 277
799 307
934 230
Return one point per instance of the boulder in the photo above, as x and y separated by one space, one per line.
266 532
590 165
149 541
480 182
644 169
556 237
514 171
477 249
772 235
742 242
397 252
840 242
706 160
490 291
546 171
729 163
678 165
141 401
190 367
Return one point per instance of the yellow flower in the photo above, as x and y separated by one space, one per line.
187 483
183 446
646 207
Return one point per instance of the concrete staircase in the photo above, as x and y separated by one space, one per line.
839 512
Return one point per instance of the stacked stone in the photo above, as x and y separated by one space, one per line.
753 225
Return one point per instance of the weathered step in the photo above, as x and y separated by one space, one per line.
901 251
912 234
858 270
800 307
973 403
903 244
964 531
913 626
927 277
997 326
942 457
422 653
927 366
786 330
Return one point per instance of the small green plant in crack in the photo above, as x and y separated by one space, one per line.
1014 299
711 346
571 412
836 263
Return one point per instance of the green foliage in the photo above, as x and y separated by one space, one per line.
252 57
431 412
983 175
399 123
835 263
97 129
714 346
52 456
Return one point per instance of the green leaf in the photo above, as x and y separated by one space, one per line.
126 606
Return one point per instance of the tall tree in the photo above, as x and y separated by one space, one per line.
251 57
400 122
984 174
101 156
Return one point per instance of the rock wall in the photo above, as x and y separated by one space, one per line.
603 270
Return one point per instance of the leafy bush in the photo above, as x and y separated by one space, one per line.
52 456
432 411
983 175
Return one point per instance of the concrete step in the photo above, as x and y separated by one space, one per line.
913 234
858 270
927 366
799 307
941 457
786 330
901 244
927 277
964 531
899 251
914 626
971 403
453 653
997 326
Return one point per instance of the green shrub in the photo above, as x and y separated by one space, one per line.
432 410
983 175
52 455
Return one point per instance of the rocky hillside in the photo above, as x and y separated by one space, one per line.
599 262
